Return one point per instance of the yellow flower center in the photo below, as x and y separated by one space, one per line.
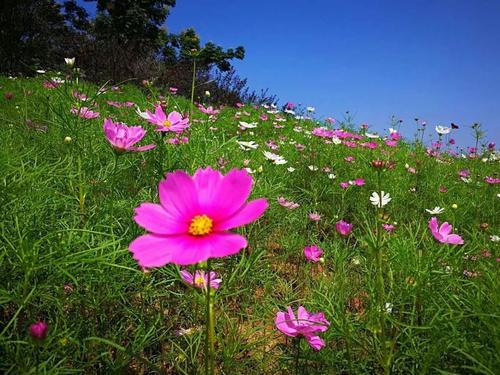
200 225
199 281
166 123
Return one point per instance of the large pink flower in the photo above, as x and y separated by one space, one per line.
313 253
123 137
305 324
343 228
191 222
174 122
443 233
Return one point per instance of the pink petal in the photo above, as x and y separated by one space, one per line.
154 218
151 250
445 229
283 323
454 239
315 342
178 196
250 212
144 148
230 196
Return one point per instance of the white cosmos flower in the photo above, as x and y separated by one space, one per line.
467 180
392 130
272 111
250 170
495 238
290 169
276 159
312 168
336 140
40 71
442 130
69 61
380 200
289 111
310 109
248 125
331 176
251 145
372 135
144 115
435 211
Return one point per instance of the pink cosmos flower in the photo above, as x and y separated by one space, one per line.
389 228
209 110
38 330
200 279
173 90
171 123
443 233
287 204
123 137
193 219
51 85
492 180
79 96
464 173
391 143
313 253
349 159
357 182
313 216
263 117
239 105
84 112
344 185
305 324
343 228
370 145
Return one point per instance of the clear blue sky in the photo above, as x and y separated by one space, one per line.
437 60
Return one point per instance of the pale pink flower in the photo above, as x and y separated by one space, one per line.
84 112
200 279
174 122
313 216
287 204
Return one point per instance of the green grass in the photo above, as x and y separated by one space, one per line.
67 221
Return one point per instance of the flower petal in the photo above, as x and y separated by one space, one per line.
154 218
250 212
178 196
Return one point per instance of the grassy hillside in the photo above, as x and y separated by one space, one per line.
398 302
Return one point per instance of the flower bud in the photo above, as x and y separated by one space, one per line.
38 330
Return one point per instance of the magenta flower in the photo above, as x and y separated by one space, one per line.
492 180
357 182
389 228
344 185
123 137
443 233
173 90
171 123
200 279
39 330
464 173
84 112
313 253
343 228
305 324
191 222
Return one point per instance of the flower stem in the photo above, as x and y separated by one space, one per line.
210 327
192 88
297 355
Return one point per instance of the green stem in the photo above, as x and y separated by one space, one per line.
210 327
297 355
192 88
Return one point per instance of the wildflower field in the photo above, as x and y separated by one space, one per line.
143 233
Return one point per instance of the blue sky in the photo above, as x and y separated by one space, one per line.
437 60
